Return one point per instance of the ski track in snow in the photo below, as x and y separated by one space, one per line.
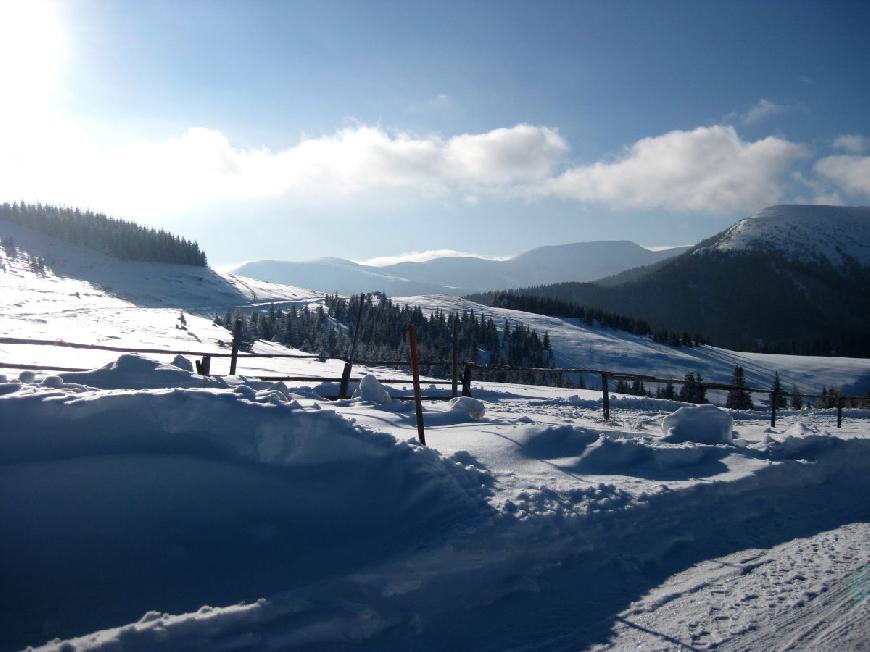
534 526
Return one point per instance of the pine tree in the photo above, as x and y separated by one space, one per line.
781 398
738 397
796 400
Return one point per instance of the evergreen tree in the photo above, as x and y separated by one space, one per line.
781 398
739 398
796 400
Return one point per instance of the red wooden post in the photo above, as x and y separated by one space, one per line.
415 370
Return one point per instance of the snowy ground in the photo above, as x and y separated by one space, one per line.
145 506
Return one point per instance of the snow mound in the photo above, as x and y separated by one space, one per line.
468 407
556 441
371 391
132 371
175 498
182 363
703 424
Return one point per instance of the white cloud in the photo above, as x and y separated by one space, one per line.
53 161
853 143
708 169
764 109
423 256
849 172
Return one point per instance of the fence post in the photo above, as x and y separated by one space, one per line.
203 367
605 403
415 371
454 389
237 333
466 381
840 401
348 364
773 399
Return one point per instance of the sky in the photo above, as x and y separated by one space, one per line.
403 130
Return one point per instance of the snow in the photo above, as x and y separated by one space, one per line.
704 424
147 507
371 391
468 407
806 233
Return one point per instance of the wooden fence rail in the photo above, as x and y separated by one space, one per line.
466 379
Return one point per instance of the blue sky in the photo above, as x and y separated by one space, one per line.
360 129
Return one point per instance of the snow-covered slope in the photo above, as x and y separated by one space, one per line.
804 233
146 507
580 346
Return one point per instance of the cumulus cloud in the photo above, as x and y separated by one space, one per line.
853 143
762 110
201 165
850 173
708 169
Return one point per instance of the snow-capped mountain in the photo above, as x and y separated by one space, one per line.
457 275
790 279
836 234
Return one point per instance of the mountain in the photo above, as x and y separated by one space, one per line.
788 279
582 261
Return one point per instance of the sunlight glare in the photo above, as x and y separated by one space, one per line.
31 45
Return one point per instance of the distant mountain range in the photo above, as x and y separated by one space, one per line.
458 275
790 279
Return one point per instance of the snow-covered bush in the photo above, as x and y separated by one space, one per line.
468 407
704 424
371 391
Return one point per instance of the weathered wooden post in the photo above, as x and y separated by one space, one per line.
348 364
203 367
605 403
840 401
773 399
454 388
234 354
466 380
415 371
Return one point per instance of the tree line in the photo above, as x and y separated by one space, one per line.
519 300
328 329
117 238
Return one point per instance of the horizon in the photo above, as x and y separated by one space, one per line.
386 131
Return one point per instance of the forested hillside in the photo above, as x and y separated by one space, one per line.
117 238
383 332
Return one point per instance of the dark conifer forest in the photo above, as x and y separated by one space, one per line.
328 331
117 238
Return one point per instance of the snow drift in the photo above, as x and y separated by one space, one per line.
120 502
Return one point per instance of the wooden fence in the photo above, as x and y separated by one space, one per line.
203 366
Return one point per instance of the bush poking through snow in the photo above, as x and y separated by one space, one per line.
371 391
468 407
182 363
55 382
27 376
704 424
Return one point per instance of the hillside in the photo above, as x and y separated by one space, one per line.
791 279
146 506
582 261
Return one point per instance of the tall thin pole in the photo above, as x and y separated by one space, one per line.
348 364
454 392
605 402
234 353
415 371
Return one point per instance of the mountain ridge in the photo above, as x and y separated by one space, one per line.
459 275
